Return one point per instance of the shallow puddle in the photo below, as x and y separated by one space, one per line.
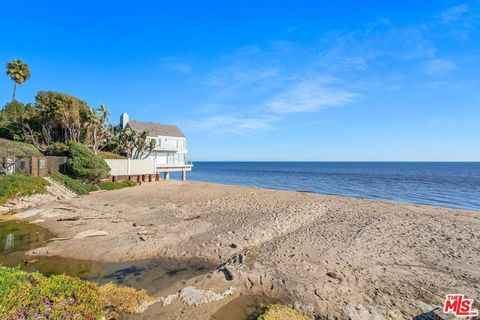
17 237
152 275
245 307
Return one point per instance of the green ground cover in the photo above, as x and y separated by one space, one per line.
26 295
73 185
108 185
17 185
279 311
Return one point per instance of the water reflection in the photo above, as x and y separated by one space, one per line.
153 274
17 237
9 241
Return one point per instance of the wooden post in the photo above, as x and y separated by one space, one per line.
184 175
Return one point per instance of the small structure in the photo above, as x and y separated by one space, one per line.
32 165
170 152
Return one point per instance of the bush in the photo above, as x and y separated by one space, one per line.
17 185
33 296
57 149
85 165
108 185
73 185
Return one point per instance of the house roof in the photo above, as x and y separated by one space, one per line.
156 129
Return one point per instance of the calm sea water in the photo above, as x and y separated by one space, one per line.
444 184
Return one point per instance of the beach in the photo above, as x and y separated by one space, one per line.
330 256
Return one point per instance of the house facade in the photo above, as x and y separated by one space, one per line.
170 152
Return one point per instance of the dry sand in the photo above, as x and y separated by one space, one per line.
330 256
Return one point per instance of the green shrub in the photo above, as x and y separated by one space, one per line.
17 185
33 296
73 185
57 149
85 165
108 185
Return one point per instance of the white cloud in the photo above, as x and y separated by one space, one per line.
235 123
438 67
454 13
279 79
309 96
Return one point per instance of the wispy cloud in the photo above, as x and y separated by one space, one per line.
235 123
454 13
282 79
310 95
439 67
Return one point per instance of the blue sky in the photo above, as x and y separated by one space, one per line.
269 80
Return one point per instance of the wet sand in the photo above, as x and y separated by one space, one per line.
330 256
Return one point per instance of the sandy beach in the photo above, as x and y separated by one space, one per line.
332 257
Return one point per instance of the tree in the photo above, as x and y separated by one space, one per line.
131 144
14 120
100 134
55 118
19 72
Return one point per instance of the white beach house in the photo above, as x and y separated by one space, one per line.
170 152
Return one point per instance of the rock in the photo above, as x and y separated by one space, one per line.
168 299
334 276
90 233
193 296
69 218
228 275
143 238
304 307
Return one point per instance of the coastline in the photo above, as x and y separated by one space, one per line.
405 202
331 255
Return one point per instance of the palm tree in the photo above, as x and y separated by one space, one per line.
103 113
19 72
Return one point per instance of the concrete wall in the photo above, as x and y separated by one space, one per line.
124 167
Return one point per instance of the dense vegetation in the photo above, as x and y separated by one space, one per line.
57 119
59 124
16 186
85 165
73 185
33 296
108 185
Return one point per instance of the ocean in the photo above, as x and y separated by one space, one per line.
443 184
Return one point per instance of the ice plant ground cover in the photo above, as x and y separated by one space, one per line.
26 295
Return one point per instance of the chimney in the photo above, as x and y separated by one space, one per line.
123 120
